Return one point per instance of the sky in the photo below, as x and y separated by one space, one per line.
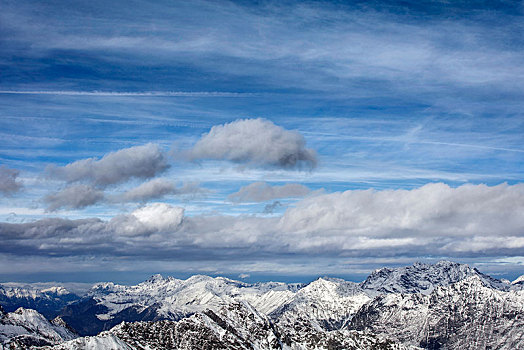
259 140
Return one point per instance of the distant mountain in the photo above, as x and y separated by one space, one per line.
158 298
47 301
431 306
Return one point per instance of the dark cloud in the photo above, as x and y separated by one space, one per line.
158 188
116 167
255 142
8 180
124 234
270 208
262 192
73 197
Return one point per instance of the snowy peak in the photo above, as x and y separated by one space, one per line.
423 278
25 327
467 314
519 280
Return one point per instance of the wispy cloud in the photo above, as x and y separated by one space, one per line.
262 192
132 94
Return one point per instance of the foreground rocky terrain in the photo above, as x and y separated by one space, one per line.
441 306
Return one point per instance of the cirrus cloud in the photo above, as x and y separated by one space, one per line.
262 192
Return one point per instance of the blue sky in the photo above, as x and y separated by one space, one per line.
400 123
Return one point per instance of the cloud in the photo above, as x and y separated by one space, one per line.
244 275
255 142
433 215
155 217
63 237
129 93
73 197
262 192
158 188
8 182
433 220
270 208
144 161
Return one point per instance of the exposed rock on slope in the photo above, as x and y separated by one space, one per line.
423 278
463 315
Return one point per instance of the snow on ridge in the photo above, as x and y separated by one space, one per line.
28 322
518 280
423 278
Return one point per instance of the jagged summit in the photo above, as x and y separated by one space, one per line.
518 280
155 278
423 278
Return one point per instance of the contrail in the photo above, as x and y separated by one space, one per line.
130 93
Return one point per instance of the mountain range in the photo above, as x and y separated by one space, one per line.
445 305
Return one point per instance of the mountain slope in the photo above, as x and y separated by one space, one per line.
325 303
237 326
423 278
464 315
158 298
441 306
24 327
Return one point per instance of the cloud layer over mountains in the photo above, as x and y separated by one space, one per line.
471 220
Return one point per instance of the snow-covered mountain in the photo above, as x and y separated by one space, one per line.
463 315
235 326
441 306
424 278
47 301
518 284
24 328
325 303
158 298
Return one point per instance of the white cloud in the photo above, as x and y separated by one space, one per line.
144 161
255 142
431 210
152 218
262 192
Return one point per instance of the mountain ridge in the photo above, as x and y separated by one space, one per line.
417 304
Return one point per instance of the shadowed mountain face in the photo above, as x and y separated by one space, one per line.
441 306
